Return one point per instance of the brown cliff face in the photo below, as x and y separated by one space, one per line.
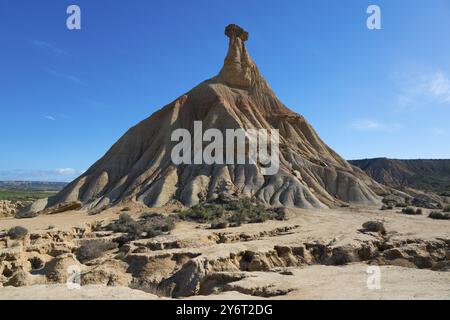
139 168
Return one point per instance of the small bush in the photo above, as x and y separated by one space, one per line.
93 249
233 211
401 205
219 225
281 213
120 256
150 225
156 224
17 233
412 211
125 224
169 225
447 208
203 213
150 215
150 230
374 226
439 215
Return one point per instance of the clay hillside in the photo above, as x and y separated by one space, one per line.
138 167
431 175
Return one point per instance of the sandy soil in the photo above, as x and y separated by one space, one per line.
61 292
315 282
339 227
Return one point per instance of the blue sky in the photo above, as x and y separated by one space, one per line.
67 96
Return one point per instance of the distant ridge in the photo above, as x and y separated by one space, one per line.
423 174
32 185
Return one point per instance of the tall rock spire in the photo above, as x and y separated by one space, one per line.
238 70
138 168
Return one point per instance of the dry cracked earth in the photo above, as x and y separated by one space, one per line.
315 254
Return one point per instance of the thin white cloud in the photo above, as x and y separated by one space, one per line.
374 125
439 87
50 118
66 171
439 132
66 76
423 89
49 47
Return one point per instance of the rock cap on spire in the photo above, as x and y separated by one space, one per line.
233 30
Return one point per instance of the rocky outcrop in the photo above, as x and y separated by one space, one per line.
10 208
199 261
138 168
39 207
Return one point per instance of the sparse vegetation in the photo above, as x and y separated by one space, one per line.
439 215
219 225
203 213
401 205
93 249
412 211
148 226
374 226
120 256
387 207
24 195
232 213
447 208
125 224
17 232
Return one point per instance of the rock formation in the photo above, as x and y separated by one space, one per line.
10 207
431 175
138 167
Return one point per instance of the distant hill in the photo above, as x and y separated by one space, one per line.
430 175
32 185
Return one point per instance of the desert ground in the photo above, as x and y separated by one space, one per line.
314 254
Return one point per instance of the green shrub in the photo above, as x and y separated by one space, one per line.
93 249
219 225
150 230
234 212
17 232
280 213
439 215
126 224
374 226
120 256
169 225
158 223
447 208
412 211
203 213
150 225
